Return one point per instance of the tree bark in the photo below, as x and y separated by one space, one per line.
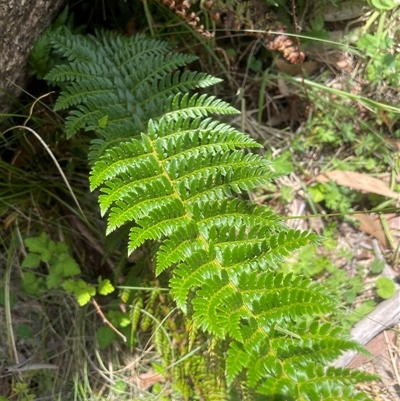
21 22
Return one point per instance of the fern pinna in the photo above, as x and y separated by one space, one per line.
163 164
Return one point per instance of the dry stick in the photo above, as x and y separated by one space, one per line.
28 367
384 316
7 308
106 321
33 105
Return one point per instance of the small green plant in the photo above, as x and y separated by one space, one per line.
40 59
383 5
335 197
378 48
23 392
317 29
382 63
60 267
358 313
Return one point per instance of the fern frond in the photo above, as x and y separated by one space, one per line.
149 307
163 221
184 134
315 342
195 165
179 247
148 198
134 73
205 381
171 174
132 157
40 55
130 51
135 312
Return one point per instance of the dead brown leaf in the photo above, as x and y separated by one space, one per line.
376 347
372 226
146 380
358 181
308 67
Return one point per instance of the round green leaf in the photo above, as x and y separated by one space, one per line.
385 287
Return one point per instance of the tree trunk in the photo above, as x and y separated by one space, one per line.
21 22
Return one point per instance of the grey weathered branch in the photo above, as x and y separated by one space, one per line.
384 316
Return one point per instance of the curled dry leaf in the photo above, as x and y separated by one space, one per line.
372 226
358 181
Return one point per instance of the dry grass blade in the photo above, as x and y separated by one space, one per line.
48 150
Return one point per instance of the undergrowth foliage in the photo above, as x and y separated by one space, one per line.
174 173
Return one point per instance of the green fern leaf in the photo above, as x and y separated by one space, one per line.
190 274
121 159
237 359
195 106
163 221
171 174
174 250
311 382
101 74
66 46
